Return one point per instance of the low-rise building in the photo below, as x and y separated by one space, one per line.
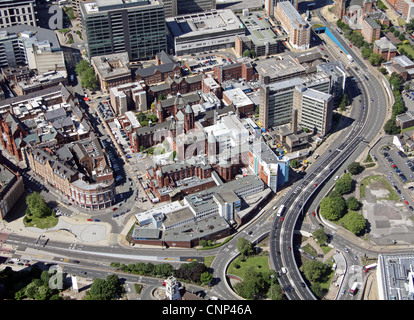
385 48
11 188
204 31
128 96
240 100
78 170
49 116
112 70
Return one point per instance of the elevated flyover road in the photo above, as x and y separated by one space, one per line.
369 112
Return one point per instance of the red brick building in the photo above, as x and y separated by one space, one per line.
233 71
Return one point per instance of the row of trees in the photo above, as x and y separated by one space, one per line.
194 271
105 289
390 126
357 39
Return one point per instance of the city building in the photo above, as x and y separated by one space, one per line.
259 37
338 75
282 67
128 96
175 85
271 4
207 214
115 26
11 188
241 69
38 48
395 276
385 48
278 99
267 166
402 65
39 82
157 73
204 31
315 109
292 22
243 104
370 29
180 7
405 120
355 15
112 70
14 12
405 8
49 117
78 170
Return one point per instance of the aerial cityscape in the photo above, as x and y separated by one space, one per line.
209 150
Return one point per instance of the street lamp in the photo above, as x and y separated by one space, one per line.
271 286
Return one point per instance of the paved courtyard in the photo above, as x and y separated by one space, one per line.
388 220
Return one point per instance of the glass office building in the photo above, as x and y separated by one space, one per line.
135 27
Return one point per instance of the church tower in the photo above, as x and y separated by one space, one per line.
188 118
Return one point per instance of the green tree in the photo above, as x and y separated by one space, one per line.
106 289
89 79
246 53
332 208
81 67
356 222
164 270
375 59
344 184
294 163
315 271
37 206
352 203
395 81
245 247
320 236
253 284
355 168
409 27
366 53
206 277
391 127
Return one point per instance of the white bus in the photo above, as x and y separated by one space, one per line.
353 289
369 267
281 210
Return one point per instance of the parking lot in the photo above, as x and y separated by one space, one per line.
399 163
206 63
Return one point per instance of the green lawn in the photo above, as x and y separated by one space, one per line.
260 263
366 181
42 223
407 47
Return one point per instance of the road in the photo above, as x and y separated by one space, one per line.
367 121
364 124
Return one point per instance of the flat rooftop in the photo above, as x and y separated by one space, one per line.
279 67
112 65
203 23
98 6
238 97
259 30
